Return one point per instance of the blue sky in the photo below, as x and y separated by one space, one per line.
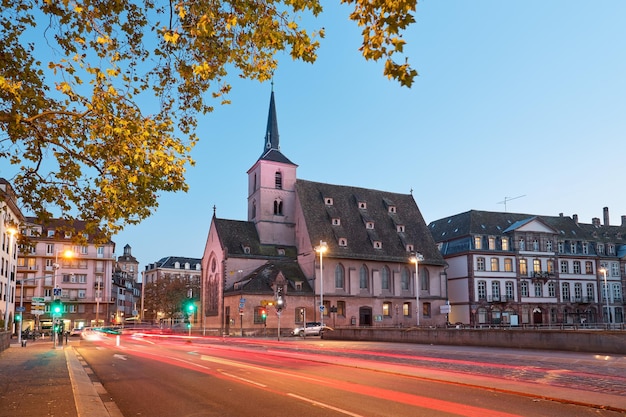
514 98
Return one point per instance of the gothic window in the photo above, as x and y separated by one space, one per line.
405 279
385 279
278 207
339 277
363 278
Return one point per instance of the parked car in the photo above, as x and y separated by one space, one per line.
313 328
76 331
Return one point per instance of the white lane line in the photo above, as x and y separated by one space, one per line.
328 406
249 381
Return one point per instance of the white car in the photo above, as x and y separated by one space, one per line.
313 328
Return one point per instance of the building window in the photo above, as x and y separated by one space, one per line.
278 180
385 279
343 242
328 201
600 249
480 264
536 245
495 264
523 268
362 205
482 290
537 265
425 280
363 278
509 287
253 210
538 289
585 248
588 267
495 290
549 246
561 247
339 276
400 228
492 243
336 221
578 292
524 288
611 248
405 279
478 242
387 309
378 245
505 243
614 269
577 267
565 291
550 266
551 289
278 207
573 247
590 292
426 310
508 265
369 225
522 244
564 267
617 292
406 309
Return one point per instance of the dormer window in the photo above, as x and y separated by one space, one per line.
50 233
362 205
400 228
378 244
281 252
177 265
187 265
328 201
392 209
246 250
409 248
298 286
68 235
343 242
369 225
336 221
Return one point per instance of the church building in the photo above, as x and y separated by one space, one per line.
316 252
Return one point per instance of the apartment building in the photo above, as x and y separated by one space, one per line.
126 291
52 266
12 218
522 269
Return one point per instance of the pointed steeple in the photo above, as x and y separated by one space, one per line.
271 148
271 133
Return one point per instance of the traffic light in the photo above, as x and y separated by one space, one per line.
18 317
56 308
280 300
263 314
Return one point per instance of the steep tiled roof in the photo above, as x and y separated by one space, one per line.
355 207
261 279
236 235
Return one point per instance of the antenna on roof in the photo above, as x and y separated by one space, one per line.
507 199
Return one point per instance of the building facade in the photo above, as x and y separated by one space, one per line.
331 253
521 269
126 291
12 218
188 272
52 266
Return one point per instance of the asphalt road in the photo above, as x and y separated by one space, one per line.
241 377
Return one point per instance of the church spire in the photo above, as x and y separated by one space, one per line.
271 134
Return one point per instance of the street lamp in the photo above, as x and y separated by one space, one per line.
12 231
323 247
416 258
606 295
67 253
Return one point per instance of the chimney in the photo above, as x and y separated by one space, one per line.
560 214
575 217
606 216
595 222
623 221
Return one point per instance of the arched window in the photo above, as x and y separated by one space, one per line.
278 207
425 280
363 278
339 276
279 180
253 210
405 279
385 281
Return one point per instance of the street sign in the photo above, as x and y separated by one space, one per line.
444 309
57 292
22 309
37 312
322 309
39 299
38 304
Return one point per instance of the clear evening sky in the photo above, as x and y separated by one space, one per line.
514 98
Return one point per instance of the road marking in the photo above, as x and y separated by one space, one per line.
118 356
330 407
249 381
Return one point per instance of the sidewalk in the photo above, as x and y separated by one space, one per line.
34 381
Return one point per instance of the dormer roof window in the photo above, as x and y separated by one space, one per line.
336 221
369 225
328 201
400 228
378 244
51 233
343 242
362 205
409 248
392 209
246 249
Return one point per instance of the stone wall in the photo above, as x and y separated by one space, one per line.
594 341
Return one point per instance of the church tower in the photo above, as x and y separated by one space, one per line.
272 189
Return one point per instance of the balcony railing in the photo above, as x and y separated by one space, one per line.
500 298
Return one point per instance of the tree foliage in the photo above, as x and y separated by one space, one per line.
167 296
73 72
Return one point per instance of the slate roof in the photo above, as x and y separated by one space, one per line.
458 229
261 279
318 218
170 261
61 225
235 235
271 148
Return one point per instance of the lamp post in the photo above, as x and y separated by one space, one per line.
12 232
416 260
323 247
606 296
66 254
